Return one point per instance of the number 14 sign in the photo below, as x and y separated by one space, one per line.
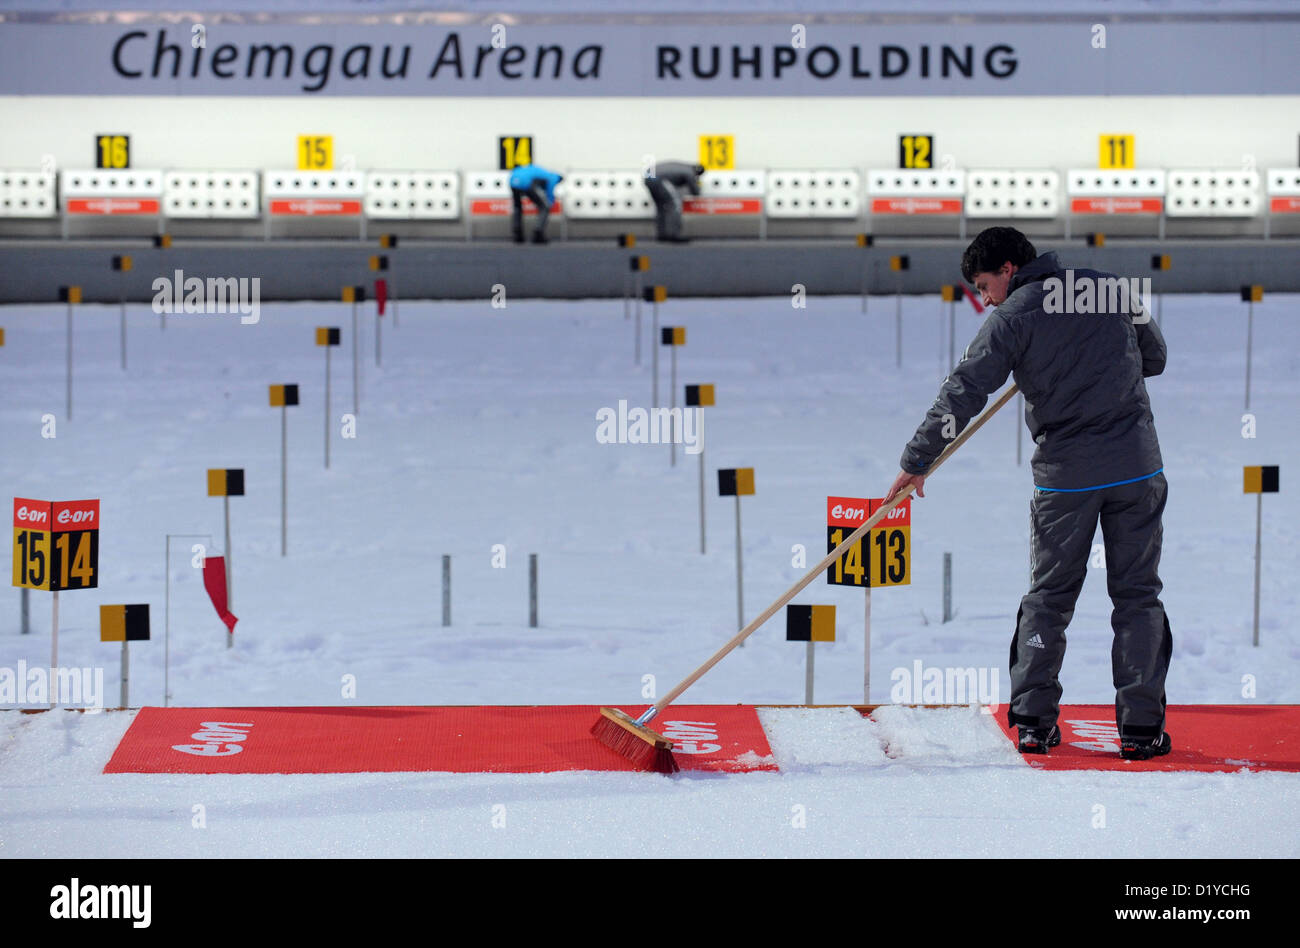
56 545
888 553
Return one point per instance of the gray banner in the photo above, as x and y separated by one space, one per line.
184 57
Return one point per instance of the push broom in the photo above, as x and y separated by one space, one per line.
648 749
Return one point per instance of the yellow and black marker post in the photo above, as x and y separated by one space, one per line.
899 263
226 483
698 396
379 264
389 242
1096 239
654 295
637 265
124 624
1259 481
948 293
865 241
809 624
162 242
1250 295
737 482
327 336
673 336
72 296
122 264
1160 263
282 396
355 295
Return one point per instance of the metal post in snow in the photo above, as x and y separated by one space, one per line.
446 590
532 590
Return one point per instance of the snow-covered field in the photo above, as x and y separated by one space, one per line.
480 429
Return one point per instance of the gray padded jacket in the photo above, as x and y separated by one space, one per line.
1086 403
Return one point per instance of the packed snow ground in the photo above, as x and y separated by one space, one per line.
479 429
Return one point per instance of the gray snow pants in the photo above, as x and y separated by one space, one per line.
1062 528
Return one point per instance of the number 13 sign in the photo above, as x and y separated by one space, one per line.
888 543
56 545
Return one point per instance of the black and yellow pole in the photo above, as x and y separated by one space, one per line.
898 264
697 396
736 482
282 396
122 264
948 293
389 242
627 242
809 624
673 336
124 624
72 296
637 265
378 264
1250 295
327 336
865 241
654 295
355 295
1160 263
162 242
1259 481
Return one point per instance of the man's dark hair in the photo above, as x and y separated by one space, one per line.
993 247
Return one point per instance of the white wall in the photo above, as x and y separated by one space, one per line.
444 133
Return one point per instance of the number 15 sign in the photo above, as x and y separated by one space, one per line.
56 545
888 553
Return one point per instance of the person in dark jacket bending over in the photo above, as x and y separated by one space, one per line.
666 183
1097 458
538 185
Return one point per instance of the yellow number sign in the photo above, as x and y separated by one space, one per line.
1116 151
718 152
112 151
315 152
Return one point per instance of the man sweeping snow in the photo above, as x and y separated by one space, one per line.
1080 362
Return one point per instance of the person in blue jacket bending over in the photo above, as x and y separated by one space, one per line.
538 185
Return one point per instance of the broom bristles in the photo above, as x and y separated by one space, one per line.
646 749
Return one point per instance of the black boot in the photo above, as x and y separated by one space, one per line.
1036 740
1144 748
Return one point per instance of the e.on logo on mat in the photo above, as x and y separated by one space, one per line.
219 739
689 737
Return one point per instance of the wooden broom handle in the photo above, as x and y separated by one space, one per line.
830 558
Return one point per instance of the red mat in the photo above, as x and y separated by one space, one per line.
1214 737
518 740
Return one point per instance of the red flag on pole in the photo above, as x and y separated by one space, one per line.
214 580
381 294
979 307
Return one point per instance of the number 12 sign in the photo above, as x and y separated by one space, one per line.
56 545
888 553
